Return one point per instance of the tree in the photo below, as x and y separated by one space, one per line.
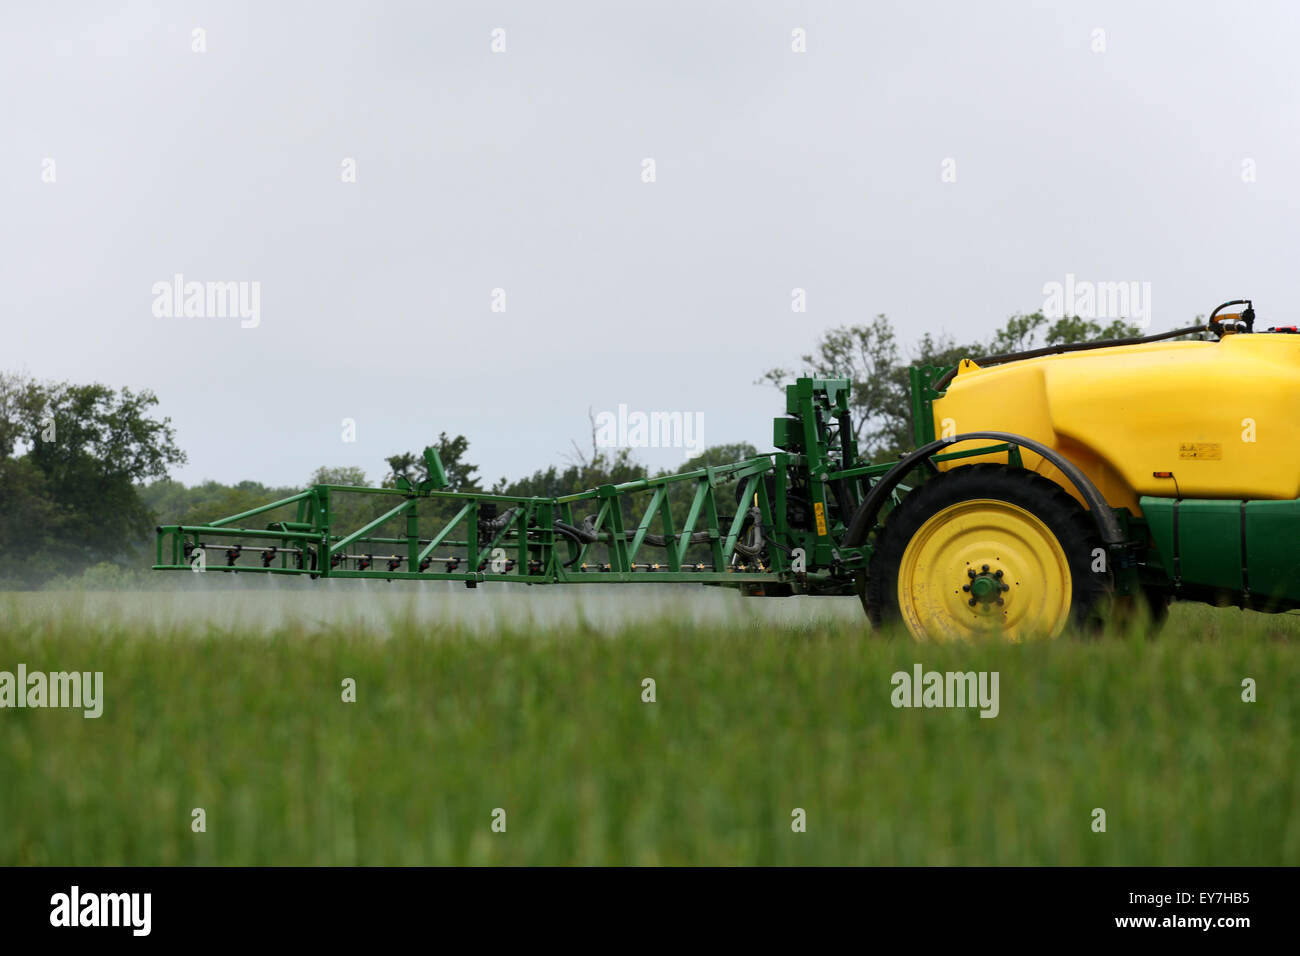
32 546
341 475
869 356
172 502
21 401
716 455
1021 332
99 446
461 475
70 459
581 475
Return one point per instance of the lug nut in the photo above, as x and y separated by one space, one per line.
970 572
971 602
997 573
965 587
985 568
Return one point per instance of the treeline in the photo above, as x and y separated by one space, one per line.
871 356
72 460
83 468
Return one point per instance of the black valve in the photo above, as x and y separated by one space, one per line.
1243 321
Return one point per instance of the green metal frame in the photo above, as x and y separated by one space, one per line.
499 537
773 524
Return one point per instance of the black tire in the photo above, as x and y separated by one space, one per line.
1151 607
1064 517
1158 602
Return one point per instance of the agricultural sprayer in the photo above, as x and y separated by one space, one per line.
1047 487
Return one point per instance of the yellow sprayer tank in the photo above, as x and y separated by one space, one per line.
1172 419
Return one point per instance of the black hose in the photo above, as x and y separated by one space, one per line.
947 377
581 535
573 534
752 547
493 525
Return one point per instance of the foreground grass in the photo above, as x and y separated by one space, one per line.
748 725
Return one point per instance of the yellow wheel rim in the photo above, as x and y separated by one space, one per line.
984 567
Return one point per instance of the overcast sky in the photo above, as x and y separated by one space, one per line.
522 170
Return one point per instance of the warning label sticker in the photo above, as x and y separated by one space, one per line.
819 512
1201 449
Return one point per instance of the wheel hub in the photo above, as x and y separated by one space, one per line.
986 587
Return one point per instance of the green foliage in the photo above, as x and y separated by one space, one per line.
343 475
172 502
870 356
461 475
1069 330
30 547
552 482
352 511
753 717
70 459
22 401
716 455
1022 332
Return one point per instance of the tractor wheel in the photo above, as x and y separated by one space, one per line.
983 550
1148 610
1157 607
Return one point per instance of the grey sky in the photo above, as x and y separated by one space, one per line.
522 171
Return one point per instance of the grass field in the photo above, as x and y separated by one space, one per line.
756 714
